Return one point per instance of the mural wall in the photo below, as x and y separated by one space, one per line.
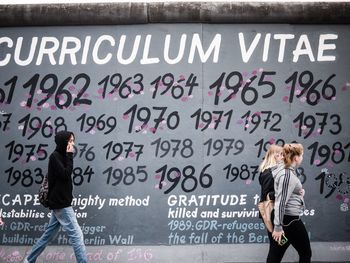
171 123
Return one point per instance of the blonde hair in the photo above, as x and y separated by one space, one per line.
269 159
291 150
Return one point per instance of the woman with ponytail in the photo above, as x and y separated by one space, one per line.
289 205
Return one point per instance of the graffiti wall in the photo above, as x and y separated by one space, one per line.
171 123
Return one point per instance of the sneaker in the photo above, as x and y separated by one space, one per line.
25 260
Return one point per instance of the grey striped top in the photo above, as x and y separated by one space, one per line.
288 197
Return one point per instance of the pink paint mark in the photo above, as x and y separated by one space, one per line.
346 200
71 88
272 140
339 197
53 107
330 165
40 153
125 116
184 99
240 121
100 91
285 98
248 182
317 162
210 93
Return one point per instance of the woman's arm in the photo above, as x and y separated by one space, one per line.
285 186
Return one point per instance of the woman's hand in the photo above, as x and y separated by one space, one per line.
277 236
302 192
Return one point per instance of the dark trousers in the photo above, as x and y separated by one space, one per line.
296 233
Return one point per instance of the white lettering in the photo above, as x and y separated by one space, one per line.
108 57
49 51
180 53
145 59
246 54
31 52
133 53
322 46
197 45
69 51
282 38
303 40
7 58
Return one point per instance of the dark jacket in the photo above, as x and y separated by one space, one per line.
267 185
60 173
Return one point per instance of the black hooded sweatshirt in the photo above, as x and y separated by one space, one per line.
60 173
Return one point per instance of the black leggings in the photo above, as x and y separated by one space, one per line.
296 233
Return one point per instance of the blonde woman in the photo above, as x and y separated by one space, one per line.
273 157
289 205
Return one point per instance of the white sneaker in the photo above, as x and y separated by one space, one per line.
25 260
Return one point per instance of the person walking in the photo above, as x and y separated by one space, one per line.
289 205
272 158
60 197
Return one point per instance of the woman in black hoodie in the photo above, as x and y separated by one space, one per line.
60 198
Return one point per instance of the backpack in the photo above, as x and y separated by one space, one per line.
44 192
